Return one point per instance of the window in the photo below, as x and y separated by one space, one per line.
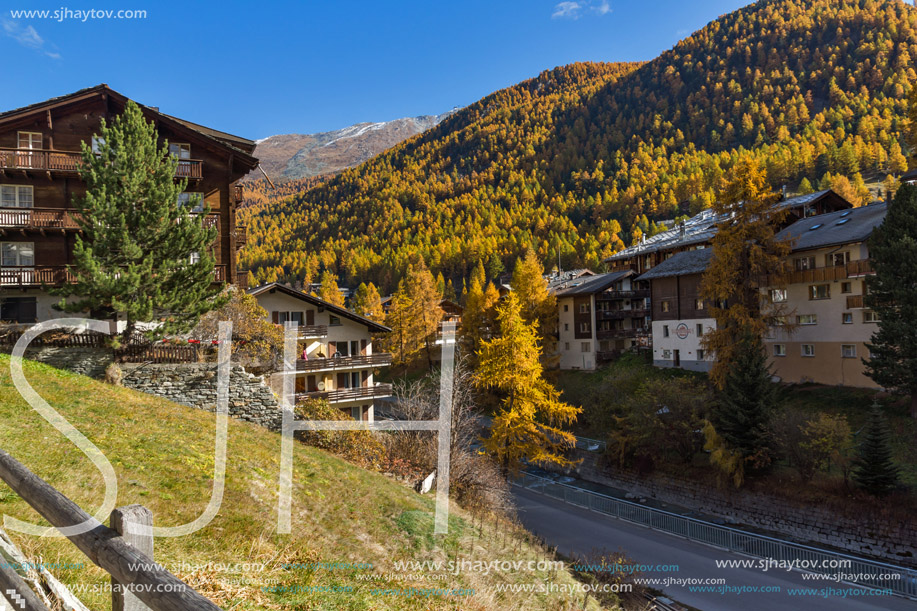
665 330
584 308
870 316
808 350
847 318
342 349
819 291
566 345
700 329
334 321
30 140
778 295
195 200
848 351
698 304
17 254
804 263
667 354
778 321
779 349
665 305
18 309
16 196
195 257
807 319
566 326
586 347
96 144
180 151
700 355
566 307
584 327
837 259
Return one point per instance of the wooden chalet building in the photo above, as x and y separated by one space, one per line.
39 183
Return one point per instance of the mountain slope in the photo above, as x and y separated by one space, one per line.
574 161
294 156
162 454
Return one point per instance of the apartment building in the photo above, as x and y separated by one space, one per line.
599 317
680 316
698 231
824 298
39 183
336 360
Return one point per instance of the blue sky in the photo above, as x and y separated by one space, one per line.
262 68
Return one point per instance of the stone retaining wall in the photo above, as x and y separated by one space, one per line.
860 533
85 361
195 385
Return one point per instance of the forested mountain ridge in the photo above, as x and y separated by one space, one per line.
580 159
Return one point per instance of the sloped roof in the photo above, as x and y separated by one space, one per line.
588 285
311 299
703 226
681 264
835 228
241 146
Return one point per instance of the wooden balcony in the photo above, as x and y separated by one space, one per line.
622 333
854 269
349 394
382 359
241 236
28 162
242 280
38 218
36 275
312 331
855 302
56 275
621 314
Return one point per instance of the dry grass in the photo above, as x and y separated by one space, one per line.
162 454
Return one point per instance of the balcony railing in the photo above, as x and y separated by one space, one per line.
382 359
55 275
853 269
313 331
349 394
69 162
241 235
855 301
619 314
35 275
622 333
614 295
39 218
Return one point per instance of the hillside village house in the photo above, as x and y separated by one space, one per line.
825 296
680 317
336 358
599 316
39 183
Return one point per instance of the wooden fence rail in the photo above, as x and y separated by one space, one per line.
156 587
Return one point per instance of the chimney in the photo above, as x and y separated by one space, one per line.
681 226
783 190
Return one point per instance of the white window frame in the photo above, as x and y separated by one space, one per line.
5 250
17 191
807 353
29 141
779 350
870 317
801 317
179 150
586 347
778 295
848 351
814 291
847 318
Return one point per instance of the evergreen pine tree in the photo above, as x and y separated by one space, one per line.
892 295
744 406
140 254
873 469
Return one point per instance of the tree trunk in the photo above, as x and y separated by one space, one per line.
914 403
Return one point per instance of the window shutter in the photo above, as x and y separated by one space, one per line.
275 317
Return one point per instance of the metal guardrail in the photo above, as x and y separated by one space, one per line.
590 445
731 539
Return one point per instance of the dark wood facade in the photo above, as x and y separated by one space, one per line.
39 161
682 296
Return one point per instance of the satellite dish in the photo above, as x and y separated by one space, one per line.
321 385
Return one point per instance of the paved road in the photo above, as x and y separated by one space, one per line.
578 531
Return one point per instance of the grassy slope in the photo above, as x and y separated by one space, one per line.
162 454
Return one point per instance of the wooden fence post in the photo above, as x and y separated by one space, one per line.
135 525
